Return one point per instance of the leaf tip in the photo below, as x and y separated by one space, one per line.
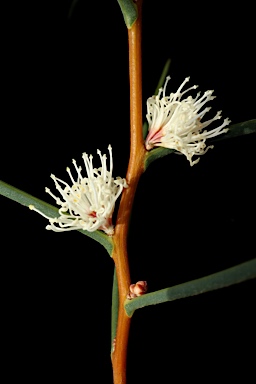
130 12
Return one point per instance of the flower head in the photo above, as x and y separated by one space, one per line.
88 203
175 121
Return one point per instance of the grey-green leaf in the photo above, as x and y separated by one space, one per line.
159 85
129 10
155 154
225 278
114 310
239 129
72 7
25 199
235 130
163 76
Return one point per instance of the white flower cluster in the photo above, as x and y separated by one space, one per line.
175 122
88 203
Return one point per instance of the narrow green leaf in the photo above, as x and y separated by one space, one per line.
25 199
235 130
163 75
159 85
225 278
114 309
72 7
145 130
239 129
155 154
129 10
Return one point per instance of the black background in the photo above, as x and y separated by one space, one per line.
65 90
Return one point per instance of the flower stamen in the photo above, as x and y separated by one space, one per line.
87 204
176 122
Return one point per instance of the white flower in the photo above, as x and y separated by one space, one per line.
175 122
88 203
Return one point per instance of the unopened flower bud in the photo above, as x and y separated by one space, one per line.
138 289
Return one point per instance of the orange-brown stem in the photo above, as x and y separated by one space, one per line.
134 171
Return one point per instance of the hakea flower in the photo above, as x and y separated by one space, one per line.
175 122
88 203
